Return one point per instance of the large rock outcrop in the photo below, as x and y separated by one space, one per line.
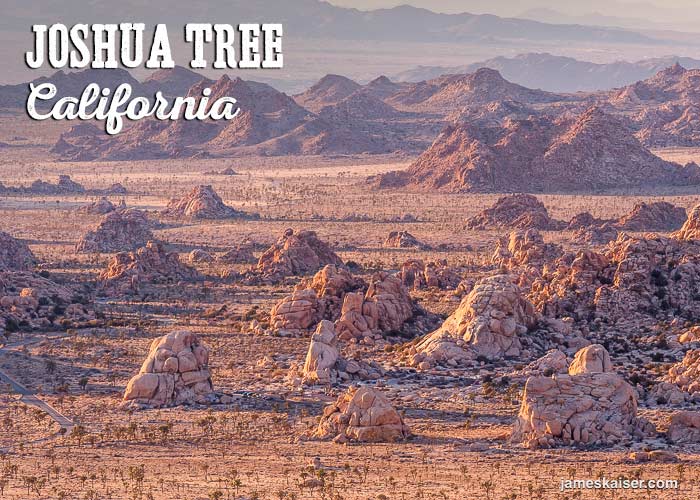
382 309
100 207
684 427
296 253
128 271
588 406
175 372
30 301
320 297
526 254
362 415
633 278
325 365
15 255
117 231
487 324
403 239
202 202
591 359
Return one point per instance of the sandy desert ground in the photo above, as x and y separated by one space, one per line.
259 445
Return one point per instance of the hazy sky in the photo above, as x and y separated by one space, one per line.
678 14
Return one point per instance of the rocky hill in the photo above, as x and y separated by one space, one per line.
665 107
483 86
330 89
591 151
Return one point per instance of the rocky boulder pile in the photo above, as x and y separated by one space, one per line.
686 374
487 324
526 252
541 153
199 256
118 231
175 372
320 297
15 255
30 301
403 239
589 406
633 278
202 202
518 211
656 216
691 228
128 271
296 253
596 235
325 365
416 275
362 415
381 310
65 185
591 359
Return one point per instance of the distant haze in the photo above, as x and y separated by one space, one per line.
683 15
335 37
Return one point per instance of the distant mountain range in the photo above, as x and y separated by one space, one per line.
557 73
314 18
171 82
337 115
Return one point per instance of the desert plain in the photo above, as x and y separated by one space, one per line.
69 436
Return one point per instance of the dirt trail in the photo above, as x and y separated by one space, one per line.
29 397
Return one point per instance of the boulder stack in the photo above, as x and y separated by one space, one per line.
487 324
416 275
403 239
591 359
320 297
381 310
325 365
100 207
175 372
684 427
656 216
363 415
686 374
586 407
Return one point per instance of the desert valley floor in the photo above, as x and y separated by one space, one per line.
257 440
